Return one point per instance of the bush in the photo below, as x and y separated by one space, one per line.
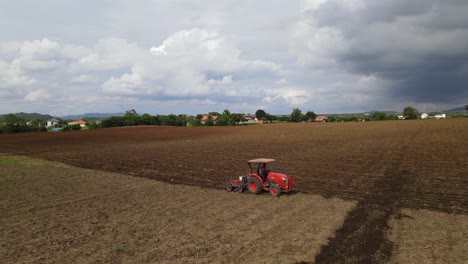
92 125
75 127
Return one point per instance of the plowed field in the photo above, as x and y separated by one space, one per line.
385 166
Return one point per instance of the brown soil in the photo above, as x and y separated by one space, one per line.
422 236
56 213
385 166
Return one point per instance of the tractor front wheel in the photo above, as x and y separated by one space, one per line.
275 190
254 185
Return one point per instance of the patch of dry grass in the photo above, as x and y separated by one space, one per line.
422 236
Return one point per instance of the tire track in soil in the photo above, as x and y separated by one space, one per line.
362 238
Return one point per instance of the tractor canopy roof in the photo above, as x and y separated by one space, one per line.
261 160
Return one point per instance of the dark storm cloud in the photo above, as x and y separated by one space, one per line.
421 46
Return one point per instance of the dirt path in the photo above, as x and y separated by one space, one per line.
56 213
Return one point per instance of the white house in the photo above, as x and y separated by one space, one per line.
424 116
251 119
54 121
439 116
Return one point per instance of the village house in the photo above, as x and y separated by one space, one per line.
55 121
427 116
82 123
252 119
321 119
205 118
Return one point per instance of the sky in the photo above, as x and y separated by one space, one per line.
63 57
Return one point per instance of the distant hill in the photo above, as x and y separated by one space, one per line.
377 111
460 109
30 116
91 116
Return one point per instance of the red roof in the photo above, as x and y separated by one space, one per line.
78 122
320 118
205 118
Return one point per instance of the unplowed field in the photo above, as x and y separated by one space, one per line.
385 166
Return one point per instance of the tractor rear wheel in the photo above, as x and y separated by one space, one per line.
275 190
254 185
229 187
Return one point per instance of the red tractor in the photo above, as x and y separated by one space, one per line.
260 179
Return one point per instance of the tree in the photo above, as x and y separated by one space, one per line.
283 118
226 117
171 120
238 117
209 122
296 115
311 115
379 116
131 112
92 125
113 121
12 119
271 118
260 114
75 127
410 113
222 121
466 108
197 122
147 119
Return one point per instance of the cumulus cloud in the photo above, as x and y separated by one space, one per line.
34 62
195 64
317 45
225 80
12 75
208 51
419 46
37 95
109 54
39 55
291 95
83 78
183 64
321 55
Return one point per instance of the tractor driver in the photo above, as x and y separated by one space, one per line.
262 171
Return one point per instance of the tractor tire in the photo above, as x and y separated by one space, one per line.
254 185
229 187
275 190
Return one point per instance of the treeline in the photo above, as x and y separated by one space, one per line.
146 119
226 118
21 122
131 118
13 124
377 116
26 116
